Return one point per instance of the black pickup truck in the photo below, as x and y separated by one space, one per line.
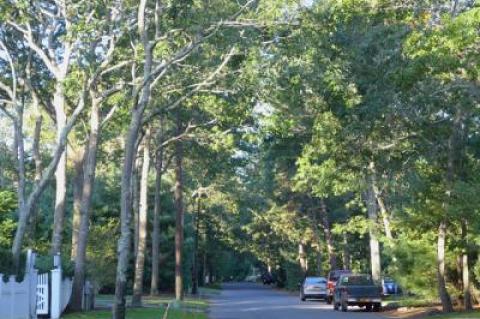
357 290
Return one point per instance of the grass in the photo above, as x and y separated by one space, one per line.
459 315
139 313
154 307
410 301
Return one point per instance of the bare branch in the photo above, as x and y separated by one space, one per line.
198 87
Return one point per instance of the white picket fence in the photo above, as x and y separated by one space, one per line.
45 294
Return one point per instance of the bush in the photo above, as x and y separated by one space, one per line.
7 266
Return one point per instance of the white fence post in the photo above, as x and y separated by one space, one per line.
55 310
31 275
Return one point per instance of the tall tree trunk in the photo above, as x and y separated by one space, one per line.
302 256
442 290
195 250
78 163
383 213
373 219
142 226
316 237
61 171
37 158
467 296
25 211
136 205
346 252
328 235
89 171
178 214
118 310
156 217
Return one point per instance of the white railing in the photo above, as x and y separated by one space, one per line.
43 300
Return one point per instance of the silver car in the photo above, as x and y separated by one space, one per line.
313 288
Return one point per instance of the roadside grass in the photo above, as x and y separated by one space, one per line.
409 302
140 313
154 308
458 315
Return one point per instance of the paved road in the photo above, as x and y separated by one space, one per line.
252 301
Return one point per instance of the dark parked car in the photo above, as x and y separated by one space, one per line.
313 287
357 290
267 278
390 287
333 277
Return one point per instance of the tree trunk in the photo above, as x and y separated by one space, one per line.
346 252
61 171
85 205
178 214
373 219
302 256
316 237
25 212
442 290
136 205
467 296
37 158
195 250
383 214
118 310
156 217
328 235
78 163
142 226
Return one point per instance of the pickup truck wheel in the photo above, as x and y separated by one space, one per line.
368 307
377 307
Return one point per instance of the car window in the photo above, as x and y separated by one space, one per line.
357 281
315 280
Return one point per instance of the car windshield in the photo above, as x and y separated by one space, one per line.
357 281
334 275
315 280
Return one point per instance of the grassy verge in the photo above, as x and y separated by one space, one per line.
459 315
409 301
154 308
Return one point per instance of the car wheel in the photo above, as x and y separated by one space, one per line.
377 307
335 306
368 307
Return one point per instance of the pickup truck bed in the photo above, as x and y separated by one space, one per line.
357 290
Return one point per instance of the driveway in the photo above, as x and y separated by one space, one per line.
253 301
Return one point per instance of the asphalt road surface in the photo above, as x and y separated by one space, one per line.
253 301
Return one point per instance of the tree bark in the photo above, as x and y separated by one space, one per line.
136 205
89 171
346 252
37 158
142 226
195 250
78 163
302 256
442 290
316 237
118 310
373 219
328 235
61 171
156 217
467 296
25 211
178 214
